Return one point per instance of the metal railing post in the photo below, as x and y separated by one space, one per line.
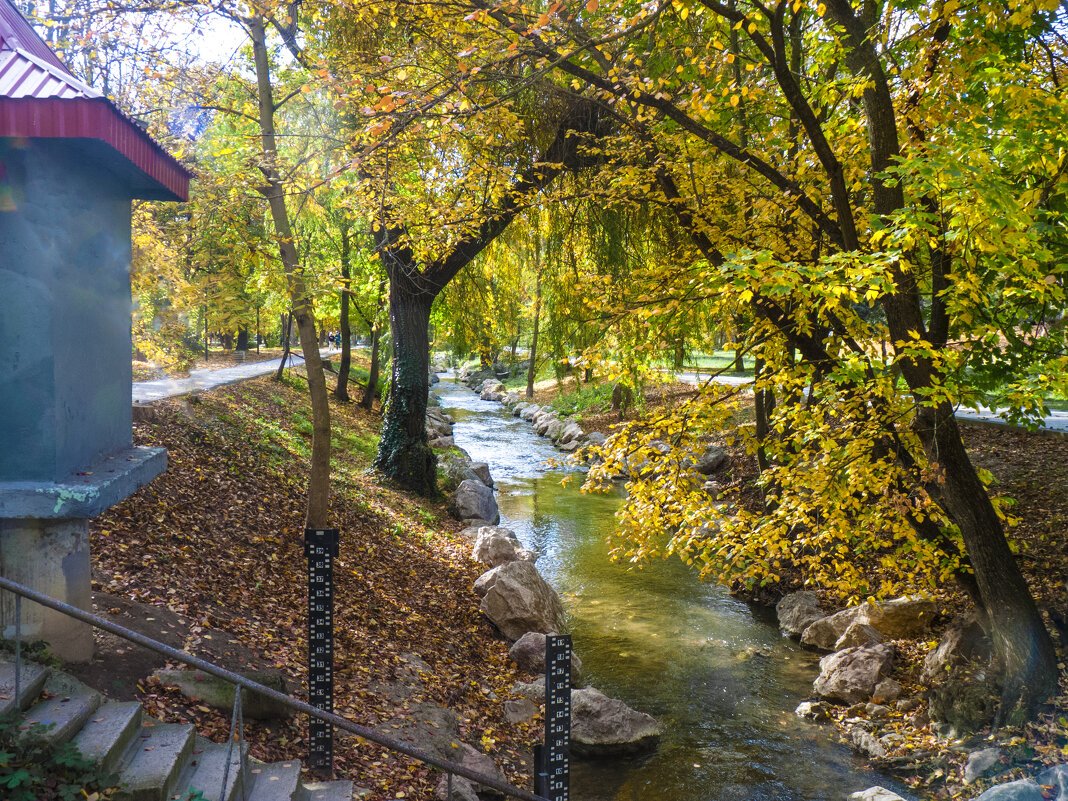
236 724
18 653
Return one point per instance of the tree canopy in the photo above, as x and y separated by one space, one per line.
868 199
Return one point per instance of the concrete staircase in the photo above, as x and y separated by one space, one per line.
154 761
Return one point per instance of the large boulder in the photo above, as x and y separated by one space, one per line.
963 641
1021 790
495 545
572 433
1057 776
435 429
850 676
875 794
532 690
554 429
900 617
428 727
983 762
481 469
219 693
542 421
528 652
603 726
453 470
896 618
797 611
529 412
859 634
474 499
465 789
520 600
824 633
485 581
711 460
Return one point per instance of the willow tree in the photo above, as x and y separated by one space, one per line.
880 215
452 139
415 281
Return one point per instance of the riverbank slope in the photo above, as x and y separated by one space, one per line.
209 557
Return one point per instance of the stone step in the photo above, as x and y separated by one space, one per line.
31 682
274 781
205 770
150 769
105 737
63 711
325 791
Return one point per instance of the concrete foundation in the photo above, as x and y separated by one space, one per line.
52 557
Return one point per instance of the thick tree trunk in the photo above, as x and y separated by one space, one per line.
678 354
403 453
1021 642
341 391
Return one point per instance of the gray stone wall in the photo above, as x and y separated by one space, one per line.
65 369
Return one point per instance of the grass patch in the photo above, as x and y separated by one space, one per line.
587 398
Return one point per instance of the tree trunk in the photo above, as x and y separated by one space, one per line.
1022 644
341 391
403 453
764 404
287 323
376 338
532 370
317 510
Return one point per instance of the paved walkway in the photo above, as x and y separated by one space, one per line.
199 380
1056 421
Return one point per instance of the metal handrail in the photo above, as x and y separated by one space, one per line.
296 704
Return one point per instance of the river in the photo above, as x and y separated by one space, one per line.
715 671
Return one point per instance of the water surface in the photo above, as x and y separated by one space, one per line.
714 671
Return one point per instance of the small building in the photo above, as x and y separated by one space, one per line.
70 163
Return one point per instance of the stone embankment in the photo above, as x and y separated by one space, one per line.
955 699
524 609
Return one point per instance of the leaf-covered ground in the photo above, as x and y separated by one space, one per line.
214 545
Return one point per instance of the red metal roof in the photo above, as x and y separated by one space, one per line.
39 97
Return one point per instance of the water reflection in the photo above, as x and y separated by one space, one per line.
721 679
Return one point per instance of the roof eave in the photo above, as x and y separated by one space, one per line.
98 118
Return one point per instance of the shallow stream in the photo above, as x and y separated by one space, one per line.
716 672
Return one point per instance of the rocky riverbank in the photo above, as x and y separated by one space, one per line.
524 608
907 683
